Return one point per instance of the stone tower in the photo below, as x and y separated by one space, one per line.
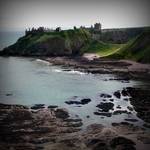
97 27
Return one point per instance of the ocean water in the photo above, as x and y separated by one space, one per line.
30 81
9 37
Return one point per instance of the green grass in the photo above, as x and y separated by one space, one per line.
137 49
101 48
49 43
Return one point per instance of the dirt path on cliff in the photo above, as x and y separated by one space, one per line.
91 56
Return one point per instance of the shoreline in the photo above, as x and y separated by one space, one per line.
96 65
52 128
36 127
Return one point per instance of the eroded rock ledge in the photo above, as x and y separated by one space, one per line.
51 128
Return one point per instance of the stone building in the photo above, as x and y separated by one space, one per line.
97 27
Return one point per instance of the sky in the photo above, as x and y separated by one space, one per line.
18 15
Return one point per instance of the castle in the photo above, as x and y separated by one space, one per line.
94 30
97 27
38 30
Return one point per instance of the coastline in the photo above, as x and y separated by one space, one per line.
40 128
95 65
52 127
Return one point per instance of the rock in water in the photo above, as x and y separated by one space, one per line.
85 101
105 107
106 114
82 102
38 106
117 94
105 95
52 106
61 113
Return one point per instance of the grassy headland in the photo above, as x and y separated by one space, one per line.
78 41
67 42
101 48
137 49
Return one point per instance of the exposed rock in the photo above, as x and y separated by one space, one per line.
121 141
122 124
38 106
23 130
104 100
118 112
125 99
146 125
72 120
70 142
105 107
81 102
104 95
117 94
61 113
119 107
52 106
40 140
125 147
100 146
9 94
124 92
76 124
111 100
94 128
145 139
140 99
107 114
18 115
85 101
92 142
130 108
8 106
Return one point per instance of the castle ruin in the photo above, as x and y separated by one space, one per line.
95 30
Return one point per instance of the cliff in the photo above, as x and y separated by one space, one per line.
137 49
69 42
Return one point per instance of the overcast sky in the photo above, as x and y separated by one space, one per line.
20 14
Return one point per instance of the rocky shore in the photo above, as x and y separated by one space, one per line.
97 65
52 128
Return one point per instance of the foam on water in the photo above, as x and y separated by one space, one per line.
69 71
43 61
31 81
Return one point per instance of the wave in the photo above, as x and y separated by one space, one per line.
76 72
69 72
57 70
43 61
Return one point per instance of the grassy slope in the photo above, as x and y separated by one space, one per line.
137 49
101 48
69 39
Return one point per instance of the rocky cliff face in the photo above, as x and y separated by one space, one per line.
68 42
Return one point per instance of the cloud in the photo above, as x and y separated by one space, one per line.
19 14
